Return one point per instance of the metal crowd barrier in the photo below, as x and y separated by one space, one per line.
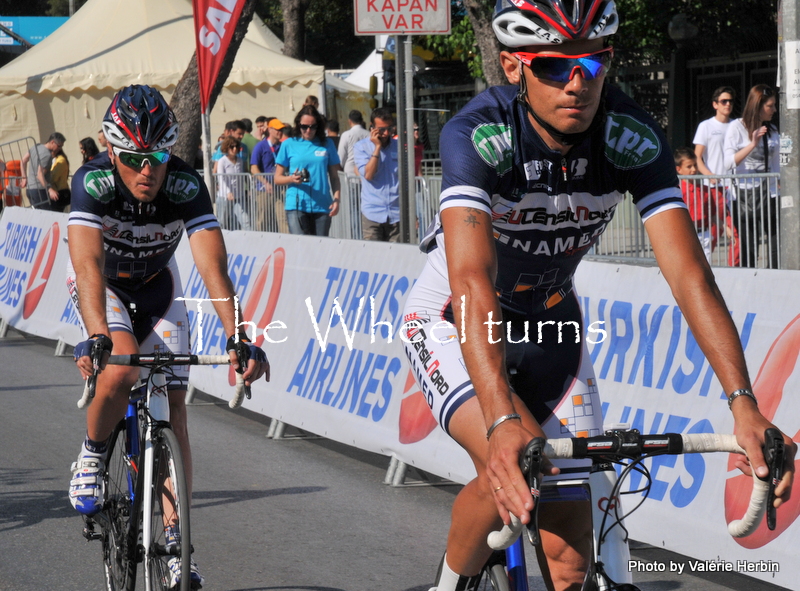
736 216
11 173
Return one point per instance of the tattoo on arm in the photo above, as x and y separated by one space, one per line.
472 219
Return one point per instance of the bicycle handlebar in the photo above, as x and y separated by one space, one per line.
614 446
162 359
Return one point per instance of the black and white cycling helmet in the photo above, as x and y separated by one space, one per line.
518 23
140 120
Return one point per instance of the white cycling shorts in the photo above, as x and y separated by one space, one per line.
555 379
151 313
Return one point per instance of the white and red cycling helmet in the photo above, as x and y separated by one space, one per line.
519 23
140 120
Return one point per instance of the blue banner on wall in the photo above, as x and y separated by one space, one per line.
31 28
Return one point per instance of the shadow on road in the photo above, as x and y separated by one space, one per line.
212 498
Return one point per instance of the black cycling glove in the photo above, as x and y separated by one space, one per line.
245 350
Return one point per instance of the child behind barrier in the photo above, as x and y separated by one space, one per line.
706 204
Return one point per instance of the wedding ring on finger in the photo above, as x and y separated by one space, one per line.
498 488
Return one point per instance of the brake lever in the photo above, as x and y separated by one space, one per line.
531 465
774 455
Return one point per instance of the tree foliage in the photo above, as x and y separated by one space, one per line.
27 8
61 7
724 28
328 38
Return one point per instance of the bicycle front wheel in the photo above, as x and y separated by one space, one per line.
170 552
120 529
494 576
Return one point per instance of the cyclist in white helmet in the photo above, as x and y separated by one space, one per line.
532 175
130 208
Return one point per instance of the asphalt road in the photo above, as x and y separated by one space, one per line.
295 514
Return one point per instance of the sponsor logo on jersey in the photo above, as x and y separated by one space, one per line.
578 168
629 142
495 144
569 217
132 234
535 168
100 185
181 187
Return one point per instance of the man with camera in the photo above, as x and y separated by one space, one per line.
376 162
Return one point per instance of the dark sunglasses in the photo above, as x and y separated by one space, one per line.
307 127
138 160
562 68
725 101
384 129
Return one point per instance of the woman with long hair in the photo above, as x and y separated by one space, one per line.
88 149
752 146
308 163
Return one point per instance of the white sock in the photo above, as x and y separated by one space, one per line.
448 580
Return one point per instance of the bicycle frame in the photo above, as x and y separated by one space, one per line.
147 435
133 447
613 551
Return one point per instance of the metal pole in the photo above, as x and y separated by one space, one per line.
402 153
207 176
411 211
789 81
71 7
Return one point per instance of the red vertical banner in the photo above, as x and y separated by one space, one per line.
214 24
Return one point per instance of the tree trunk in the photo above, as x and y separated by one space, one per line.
294 28
186 99
480 15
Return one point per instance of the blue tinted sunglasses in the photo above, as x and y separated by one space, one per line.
562 68
138 160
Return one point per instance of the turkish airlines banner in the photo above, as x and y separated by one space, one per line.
33 273
214 24
328 313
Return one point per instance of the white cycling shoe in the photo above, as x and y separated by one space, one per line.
175 578
86 486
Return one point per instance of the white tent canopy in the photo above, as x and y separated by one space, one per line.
372 66
65 83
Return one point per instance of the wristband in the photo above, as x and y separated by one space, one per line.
375 156
499 421
741 392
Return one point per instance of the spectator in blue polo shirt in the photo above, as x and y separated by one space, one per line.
376 161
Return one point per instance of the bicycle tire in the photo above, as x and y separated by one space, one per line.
120 532
498 578
170 506
494 576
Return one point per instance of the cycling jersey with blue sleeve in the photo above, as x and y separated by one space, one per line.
140 238
548 209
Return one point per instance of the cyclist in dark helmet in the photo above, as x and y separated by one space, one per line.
532 175
130 207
